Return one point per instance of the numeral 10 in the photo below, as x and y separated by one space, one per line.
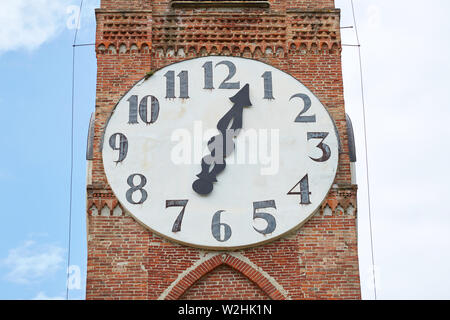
143 109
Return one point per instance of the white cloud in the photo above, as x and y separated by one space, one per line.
43 296
32 262
27 24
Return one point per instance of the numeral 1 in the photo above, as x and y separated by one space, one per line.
170 84
208 66
133 111
304 190
268 85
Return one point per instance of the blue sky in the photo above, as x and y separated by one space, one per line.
35 98
405 57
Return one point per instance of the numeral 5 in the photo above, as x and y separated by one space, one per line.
270 219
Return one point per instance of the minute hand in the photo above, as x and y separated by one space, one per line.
222 145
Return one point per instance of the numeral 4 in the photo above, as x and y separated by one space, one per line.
304 193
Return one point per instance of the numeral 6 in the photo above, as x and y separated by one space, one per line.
216 227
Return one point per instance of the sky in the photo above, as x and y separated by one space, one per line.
404 46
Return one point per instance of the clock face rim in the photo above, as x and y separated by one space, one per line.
168 238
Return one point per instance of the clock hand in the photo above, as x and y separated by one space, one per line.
229 127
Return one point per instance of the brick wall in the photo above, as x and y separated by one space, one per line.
125 261
163 5
224 283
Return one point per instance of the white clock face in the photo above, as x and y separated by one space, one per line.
220 152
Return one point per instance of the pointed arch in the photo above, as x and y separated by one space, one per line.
266 283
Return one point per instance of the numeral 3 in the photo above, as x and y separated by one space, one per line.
326 152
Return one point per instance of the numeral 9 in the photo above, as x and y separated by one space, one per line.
123 145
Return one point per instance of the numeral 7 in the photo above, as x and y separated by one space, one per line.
177 203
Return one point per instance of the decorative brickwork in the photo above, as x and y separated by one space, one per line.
252 283
125 260
214 285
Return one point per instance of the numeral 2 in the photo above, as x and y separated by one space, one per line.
307 106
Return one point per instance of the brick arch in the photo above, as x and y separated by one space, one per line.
190 278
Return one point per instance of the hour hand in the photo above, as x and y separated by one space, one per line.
222 145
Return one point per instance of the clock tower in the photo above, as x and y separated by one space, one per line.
220 156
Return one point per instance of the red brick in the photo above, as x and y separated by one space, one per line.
301 37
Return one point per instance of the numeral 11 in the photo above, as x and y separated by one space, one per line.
170 84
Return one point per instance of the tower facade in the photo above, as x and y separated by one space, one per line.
127 260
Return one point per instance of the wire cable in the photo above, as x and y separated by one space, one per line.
71 148
366 147
74 46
